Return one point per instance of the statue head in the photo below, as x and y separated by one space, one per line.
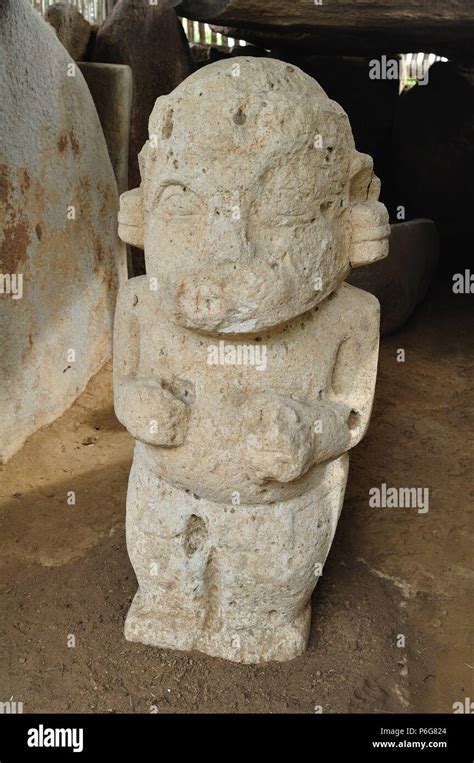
254 203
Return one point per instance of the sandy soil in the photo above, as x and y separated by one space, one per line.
64 569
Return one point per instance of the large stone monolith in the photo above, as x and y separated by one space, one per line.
72 29
60 259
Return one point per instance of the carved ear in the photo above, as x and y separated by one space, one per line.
370 231
130 218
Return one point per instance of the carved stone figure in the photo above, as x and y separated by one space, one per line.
244 365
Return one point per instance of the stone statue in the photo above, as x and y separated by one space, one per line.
244 366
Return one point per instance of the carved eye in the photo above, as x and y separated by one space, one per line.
282 206
179 201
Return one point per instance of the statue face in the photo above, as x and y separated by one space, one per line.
247 197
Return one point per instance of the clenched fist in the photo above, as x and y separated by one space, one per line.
151 412
280 440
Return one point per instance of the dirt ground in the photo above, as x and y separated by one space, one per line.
64 569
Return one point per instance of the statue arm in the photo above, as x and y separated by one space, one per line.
150 408
355 368
285 436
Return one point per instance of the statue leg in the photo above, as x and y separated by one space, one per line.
232 581
265 564
169 547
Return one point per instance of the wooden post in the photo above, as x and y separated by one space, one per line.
190 29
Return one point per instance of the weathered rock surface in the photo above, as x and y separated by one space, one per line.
346 80
244 367
342 25
72 29
400 281
58 202
111 88
433 151
151 41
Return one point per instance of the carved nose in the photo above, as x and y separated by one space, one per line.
200 299
226 238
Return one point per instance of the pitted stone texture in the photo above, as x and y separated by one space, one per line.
346 80
400 282
232 581
244 367
239 428
56 166
72 29
289 233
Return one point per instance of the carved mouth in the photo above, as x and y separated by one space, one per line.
380 233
